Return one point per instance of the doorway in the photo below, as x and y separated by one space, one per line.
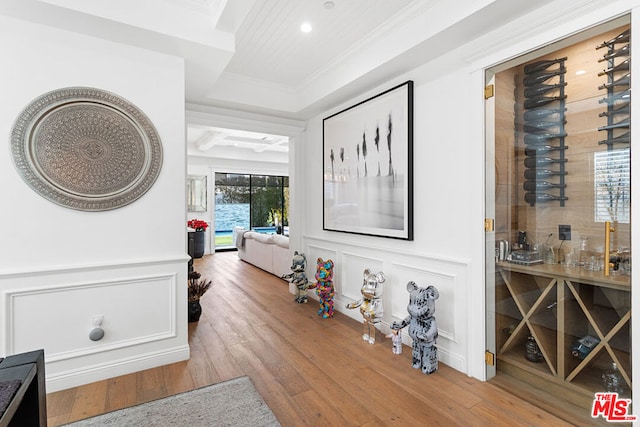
558 258
239 166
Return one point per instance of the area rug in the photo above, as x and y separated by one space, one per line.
231 403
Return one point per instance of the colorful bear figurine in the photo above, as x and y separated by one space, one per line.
299 278
423 328
370 304
324 287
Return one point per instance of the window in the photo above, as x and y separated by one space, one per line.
612 185
257 202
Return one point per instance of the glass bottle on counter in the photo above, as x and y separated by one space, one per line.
612 379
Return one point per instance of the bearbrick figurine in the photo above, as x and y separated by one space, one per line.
324 287
299 278
423 328
396 341
370 304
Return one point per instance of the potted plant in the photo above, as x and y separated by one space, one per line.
196 287
199 226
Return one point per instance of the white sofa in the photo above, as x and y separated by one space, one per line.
269 252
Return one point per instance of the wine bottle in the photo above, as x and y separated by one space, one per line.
535 186
625 109
534 79
625 138
622 81
536 150
624 95
541 100
532 350
541 138
542 65
623 37
621 124
534 127
542 197
623 51
535 174
541 89
534 162
623 66
541 113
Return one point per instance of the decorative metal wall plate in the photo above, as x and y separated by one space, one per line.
86 149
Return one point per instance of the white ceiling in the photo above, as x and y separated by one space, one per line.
250 55
236 144
271 47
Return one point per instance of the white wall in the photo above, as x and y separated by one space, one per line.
448 248
59 267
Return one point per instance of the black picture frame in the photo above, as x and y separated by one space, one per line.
368 166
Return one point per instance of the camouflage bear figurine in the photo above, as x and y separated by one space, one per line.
299 278
423 328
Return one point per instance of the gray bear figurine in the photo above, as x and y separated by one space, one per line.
423 328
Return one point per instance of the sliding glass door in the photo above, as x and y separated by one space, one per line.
256 202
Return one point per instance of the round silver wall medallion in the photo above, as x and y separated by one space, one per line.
86 149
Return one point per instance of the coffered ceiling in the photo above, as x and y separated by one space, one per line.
227 143
273 52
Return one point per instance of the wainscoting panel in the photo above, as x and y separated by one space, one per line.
352 273
445 307
449 276
141 307
314 252
126 321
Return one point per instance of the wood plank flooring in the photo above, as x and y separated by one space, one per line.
310 371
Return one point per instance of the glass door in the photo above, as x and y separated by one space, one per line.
558 190
232 207
249 202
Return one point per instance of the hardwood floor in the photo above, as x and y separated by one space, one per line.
310 371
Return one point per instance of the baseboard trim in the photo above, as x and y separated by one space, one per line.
98 372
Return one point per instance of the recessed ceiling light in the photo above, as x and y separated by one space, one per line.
305 27
581 72
329 5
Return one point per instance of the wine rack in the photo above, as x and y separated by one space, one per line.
554 309
618 88
544 131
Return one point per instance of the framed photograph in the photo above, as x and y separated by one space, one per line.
368 166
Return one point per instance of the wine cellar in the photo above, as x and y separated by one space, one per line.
562 226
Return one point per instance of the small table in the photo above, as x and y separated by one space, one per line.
28 407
